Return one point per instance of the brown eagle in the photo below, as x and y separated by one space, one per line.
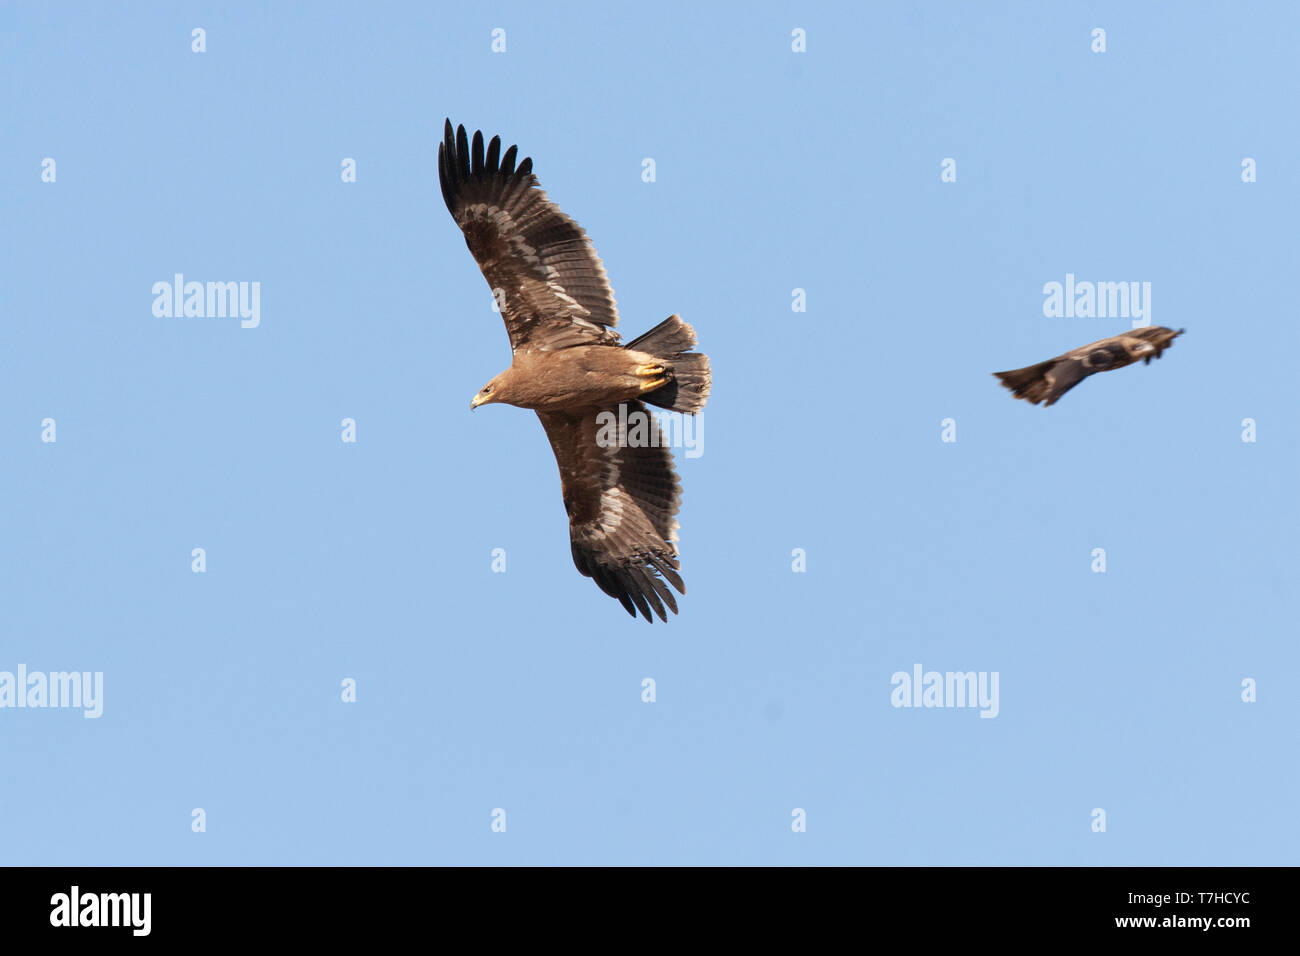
1048 381
618 482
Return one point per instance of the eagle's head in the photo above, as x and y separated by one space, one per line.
493 391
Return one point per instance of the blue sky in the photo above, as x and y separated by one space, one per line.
775 171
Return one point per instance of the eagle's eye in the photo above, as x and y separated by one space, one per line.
486 389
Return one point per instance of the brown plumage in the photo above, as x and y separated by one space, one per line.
618 484
1048 381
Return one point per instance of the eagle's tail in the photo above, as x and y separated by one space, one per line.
671 341
1030 382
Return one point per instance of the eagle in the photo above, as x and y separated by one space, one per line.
1048 381
590 392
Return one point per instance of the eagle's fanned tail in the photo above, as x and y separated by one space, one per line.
671 340
1029 383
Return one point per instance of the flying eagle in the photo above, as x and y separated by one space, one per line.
1048 381
618 482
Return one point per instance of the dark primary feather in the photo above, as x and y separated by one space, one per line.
535 258
622 503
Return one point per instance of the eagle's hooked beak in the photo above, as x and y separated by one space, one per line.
476 401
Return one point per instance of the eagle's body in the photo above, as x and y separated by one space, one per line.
1048 381
620 491
582 375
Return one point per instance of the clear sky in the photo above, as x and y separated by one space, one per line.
774 171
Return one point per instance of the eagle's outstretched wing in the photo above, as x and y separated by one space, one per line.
542 269
622 496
